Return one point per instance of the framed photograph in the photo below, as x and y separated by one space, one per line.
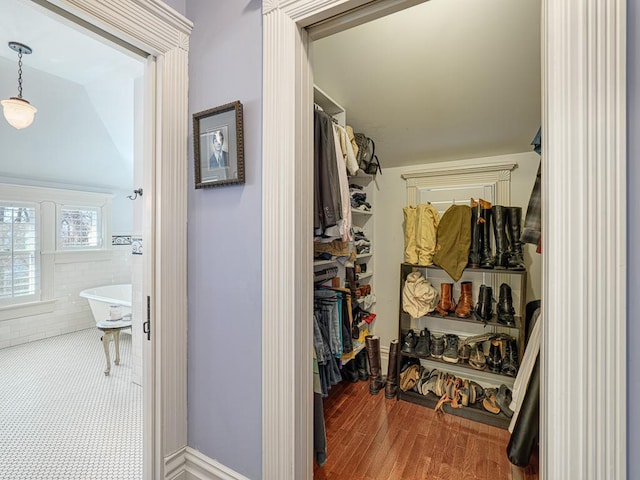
218 146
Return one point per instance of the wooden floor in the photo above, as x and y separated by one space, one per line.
370 437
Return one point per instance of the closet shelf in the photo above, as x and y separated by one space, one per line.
355 211
320 263
362 276
363 255
499 377
473 412
356 350
468 269
493 322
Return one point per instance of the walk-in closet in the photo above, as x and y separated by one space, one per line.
426 244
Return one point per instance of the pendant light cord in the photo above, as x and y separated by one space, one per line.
20 74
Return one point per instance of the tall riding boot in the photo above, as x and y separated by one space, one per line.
391 386
410 247
446 304
474 249
500 235
516 259
463 309
505 306
484 306
372 343
486 258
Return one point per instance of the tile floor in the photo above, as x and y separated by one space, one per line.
62 418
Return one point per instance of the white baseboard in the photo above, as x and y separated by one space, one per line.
190 464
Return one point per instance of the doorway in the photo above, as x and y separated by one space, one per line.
162 34
288 97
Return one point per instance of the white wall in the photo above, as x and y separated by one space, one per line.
224 245
69 312
388 243
67 146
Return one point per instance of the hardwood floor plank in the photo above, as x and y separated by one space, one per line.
370 437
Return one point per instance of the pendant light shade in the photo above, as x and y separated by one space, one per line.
17 111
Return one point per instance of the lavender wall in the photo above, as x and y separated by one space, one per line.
633 215
224 245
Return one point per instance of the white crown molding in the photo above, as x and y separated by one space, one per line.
440 170
584 240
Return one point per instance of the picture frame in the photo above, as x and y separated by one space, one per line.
218 146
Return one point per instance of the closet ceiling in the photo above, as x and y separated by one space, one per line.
445 80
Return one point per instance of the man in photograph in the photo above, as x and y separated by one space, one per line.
219 158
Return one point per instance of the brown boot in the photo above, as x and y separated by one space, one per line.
372 343
391 386
446 304
463 310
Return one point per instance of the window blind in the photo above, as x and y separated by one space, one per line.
80 227
19 252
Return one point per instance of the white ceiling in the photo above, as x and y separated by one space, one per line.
445 80
60 47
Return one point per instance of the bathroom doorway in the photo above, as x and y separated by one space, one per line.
160 281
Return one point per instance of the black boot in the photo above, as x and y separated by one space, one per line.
516 259
486 257
510 359
483 310
474 249
350 371
501 259
494 360
391 386
363 368
505 306
376 382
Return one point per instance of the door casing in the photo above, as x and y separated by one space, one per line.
583 357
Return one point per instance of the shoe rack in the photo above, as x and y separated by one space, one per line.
463 328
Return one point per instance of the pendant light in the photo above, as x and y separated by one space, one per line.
18 112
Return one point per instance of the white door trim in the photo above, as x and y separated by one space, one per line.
155 28
584 240
583 413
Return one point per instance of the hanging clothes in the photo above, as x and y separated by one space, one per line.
327 205
532 232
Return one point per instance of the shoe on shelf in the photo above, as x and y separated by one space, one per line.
464 352
477 359
503 400
489 401
510 359
476 392
409 344
505 308
446 305
437 345
422 346
450 354
464 306
494 360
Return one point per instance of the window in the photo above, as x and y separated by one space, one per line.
79 227
19 253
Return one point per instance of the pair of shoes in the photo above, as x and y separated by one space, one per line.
427 381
